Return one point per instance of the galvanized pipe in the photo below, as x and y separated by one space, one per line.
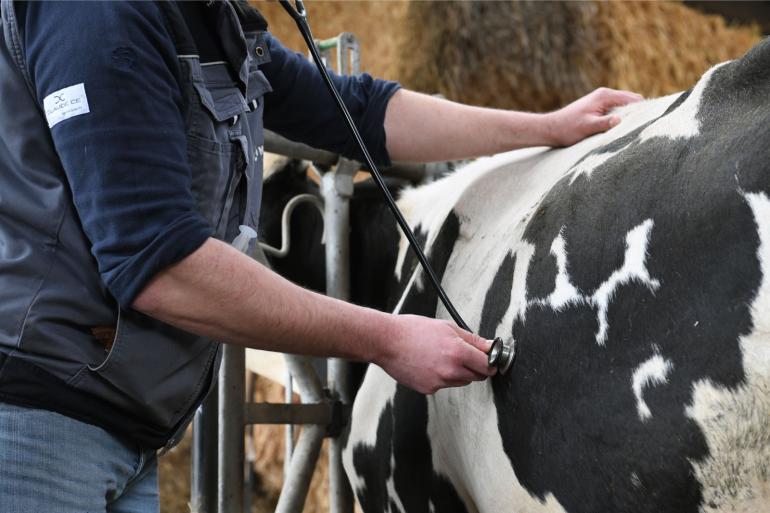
295 488
231 445
306 378
337 189
203 479
275 143
288 433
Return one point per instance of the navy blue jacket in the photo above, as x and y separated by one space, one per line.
126 160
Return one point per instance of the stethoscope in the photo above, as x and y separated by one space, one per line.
500 355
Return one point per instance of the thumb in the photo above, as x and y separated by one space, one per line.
604 123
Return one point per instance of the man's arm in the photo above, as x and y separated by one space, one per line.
422 128
220 293
131 185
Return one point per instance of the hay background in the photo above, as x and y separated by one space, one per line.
526 55
532 56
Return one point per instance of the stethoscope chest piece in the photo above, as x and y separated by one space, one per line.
501 355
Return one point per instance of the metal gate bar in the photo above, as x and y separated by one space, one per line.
337 189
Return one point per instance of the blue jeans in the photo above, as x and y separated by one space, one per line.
50 463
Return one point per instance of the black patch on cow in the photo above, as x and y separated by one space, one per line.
498 297
567 412
424 301
407 266
402 438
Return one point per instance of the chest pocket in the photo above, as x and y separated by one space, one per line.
224 141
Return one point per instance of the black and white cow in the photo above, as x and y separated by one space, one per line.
632 270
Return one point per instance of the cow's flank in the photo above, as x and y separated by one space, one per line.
633 272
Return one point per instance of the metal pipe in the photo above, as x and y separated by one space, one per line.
293 203
295 488
203 479
289 429
231 430
321 413
337 189
308 383
275 143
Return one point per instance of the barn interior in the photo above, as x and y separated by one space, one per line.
524 55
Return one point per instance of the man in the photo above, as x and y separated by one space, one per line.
130 151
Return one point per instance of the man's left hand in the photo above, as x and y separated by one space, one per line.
588 115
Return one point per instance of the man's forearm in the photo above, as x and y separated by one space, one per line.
225 295
422 128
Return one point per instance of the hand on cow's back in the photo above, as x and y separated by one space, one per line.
427 355
588 115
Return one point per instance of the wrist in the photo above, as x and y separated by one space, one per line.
549 129
384 335
527 129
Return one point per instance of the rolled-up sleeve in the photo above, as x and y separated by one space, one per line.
301 108
124 155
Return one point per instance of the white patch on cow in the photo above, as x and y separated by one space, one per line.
564 291
467 448
591 162
736 422
634 268
380 389
428 206
391 487
653 371
683 121
518 305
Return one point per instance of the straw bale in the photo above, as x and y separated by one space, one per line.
507 54
376 24
659 48
540 55
524 54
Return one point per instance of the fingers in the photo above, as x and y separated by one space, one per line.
476 341
615 98
604 123
474 353
475 361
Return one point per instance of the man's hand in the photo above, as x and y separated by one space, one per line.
429 354
588 115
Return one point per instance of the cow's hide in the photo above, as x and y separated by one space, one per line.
633 272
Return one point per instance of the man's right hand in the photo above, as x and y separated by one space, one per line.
427 355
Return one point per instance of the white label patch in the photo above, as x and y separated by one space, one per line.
65 103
